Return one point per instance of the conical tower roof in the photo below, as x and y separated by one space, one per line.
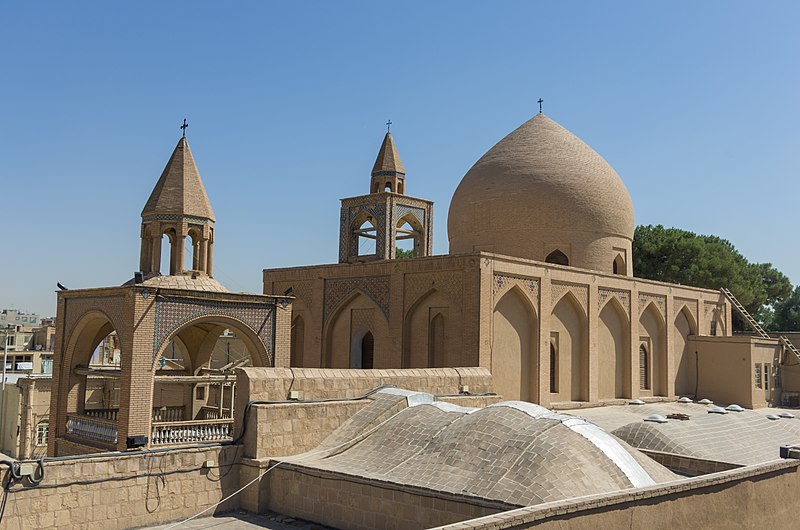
388 160
180 189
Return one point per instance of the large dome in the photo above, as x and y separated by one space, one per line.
543 194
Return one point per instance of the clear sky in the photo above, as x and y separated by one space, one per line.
695 104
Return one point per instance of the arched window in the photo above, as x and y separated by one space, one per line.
436 342
553 369
618 266
557 257
644 372
387 186
367 351
41 432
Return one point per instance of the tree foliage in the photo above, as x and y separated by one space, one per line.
678 256
400 253
786 313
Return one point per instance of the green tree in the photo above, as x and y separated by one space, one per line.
679 256
400 253
786 313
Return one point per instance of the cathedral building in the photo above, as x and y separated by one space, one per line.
538 285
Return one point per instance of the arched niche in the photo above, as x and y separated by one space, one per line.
418 351
557 257
357 313
515 334
569 323
613 351
685 374
618 266
362 349
652 334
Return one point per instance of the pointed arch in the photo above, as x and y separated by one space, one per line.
568 321
644 367
362 349
618 266
354 316
363 234
557 257
418 331
613 351
685 325
515 333
652 331
409 229
437 342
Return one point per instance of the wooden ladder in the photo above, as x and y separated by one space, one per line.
787 344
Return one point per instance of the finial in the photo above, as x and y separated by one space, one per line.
389 126
540 104
183 127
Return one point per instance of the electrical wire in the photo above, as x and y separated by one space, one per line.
330 452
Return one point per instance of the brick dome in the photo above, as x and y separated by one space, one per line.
543 194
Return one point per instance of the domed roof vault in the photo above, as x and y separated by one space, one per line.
538 189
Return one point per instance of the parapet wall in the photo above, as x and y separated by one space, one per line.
126 491
328 383
328 397
748 497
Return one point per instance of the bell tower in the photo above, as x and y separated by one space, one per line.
179 208
377 226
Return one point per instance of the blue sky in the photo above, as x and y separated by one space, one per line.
695 104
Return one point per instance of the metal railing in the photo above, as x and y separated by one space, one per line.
92 428
166 433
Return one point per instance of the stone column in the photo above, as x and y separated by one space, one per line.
592 316
155 254
545 310
210 257
635 391
202 256
180 253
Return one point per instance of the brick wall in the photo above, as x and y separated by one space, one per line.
125 491
364 504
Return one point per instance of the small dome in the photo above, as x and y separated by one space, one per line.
181 281
541 192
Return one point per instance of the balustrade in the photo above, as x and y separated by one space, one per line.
106 414
92 428
192 431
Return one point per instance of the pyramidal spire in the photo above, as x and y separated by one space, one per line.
180 190
388 160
